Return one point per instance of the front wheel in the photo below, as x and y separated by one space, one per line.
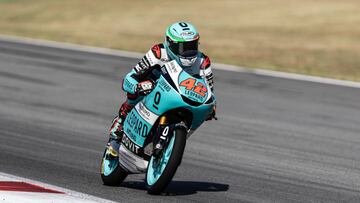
161 170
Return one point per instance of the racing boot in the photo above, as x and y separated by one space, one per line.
116 130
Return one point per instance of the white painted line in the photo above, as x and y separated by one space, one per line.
307 78
44 197
69 46
291 76
135 55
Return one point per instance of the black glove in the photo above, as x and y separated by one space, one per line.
144 88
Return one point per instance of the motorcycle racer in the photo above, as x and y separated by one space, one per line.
181 44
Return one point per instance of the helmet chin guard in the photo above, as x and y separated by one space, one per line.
187 61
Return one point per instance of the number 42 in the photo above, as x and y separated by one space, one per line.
189 84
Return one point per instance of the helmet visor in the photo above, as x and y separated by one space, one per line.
185 49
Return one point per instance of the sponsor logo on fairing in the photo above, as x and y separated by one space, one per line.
137 125
130 134
193 95
130 145
143 111
164 86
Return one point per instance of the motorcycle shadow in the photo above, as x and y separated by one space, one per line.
177 188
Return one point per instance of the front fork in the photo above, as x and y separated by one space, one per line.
161 137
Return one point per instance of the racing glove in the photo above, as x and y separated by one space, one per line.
144 88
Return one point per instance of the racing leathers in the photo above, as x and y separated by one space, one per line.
140 81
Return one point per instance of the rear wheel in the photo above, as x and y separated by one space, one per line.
111 172
161 170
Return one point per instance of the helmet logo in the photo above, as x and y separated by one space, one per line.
188 33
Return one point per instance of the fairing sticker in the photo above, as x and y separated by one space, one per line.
174 71
136 127
145 113
193 88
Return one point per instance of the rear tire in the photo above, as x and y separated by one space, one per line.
116 175
157 183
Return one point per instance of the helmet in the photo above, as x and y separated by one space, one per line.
181 43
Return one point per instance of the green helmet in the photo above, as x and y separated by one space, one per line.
181 43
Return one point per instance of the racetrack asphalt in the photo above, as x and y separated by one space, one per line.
276 140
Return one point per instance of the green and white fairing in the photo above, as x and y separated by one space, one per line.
175 89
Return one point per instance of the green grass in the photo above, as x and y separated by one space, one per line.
319 37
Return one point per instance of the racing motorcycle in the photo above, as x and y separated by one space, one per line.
156 129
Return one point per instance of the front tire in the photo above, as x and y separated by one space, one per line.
161 171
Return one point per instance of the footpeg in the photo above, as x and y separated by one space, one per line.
111 151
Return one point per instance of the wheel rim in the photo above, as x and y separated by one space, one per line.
156 168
